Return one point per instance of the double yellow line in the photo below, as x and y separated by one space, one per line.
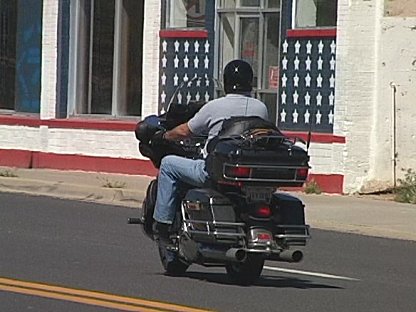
121 303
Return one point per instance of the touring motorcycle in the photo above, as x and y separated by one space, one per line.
241 218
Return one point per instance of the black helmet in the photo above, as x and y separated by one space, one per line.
238 76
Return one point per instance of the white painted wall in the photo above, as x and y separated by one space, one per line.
151 43
99 143
49 59
356 75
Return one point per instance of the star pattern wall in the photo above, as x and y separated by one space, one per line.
307 86
186 63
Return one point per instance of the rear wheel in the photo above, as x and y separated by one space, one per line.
247 272
148 208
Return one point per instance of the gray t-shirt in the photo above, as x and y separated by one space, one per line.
208 120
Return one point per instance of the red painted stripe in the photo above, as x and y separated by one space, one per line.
325 138
174 33
108 124
15 158
13 120
328 183
91 163
72 123
308 33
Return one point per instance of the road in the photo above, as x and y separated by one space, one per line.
59 255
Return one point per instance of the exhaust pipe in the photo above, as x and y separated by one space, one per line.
289 256
232 254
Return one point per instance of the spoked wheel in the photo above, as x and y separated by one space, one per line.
247 272
172 264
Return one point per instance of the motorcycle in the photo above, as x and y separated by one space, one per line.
242 218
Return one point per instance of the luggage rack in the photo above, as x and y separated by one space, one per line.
293 235
214 228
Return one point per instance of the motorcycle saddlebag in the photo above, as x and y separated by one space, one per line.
289 217
209 214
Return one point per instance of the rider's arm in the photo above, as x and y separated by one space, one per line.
180 132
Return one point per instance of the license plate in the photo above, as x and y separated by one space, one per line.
259 193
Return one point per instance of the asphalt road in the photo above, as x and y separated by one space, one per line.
89 247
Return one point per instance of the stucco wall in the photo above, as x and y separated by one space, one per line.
402 8
397 72
376 55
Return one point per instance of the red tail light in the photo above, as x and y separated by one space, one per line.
302 173
263 212
238 172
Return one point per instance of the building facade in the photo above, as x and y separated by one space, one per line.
76 76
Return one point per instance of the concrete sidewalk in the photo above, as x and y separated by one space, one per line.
368 216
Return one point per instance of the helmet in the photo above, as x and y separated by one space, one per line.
238 76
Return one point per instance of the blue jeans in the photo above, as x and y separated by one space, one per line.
173 171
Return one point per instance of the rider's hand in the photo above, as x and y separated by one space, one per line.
158 138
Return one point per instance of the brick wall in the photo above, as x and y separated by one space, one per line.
151 57
356 74
49 59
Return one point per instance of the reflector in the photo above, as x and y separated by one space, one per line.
302 173
264 212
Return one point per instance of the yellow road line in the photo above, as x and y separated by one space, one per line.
90 297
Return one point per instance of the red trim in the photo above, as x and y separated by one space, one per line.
73 123
15 158
174 33
308 33
31 159
20 121
112 125
329 183
325 138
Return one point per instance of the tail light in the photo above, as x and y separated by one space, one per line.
263 211
259 237
237 172
302 173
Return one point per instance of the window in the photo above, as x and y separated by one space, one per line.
316 13
106 60
185 13
250 30
20 55
8 23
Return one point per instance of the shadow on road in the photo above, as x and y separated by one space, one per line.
263 281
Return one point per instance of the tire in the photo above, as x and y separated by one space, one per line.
247 272
148 208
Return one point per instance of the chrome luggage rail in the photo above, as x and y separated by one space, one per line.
293 235
214 228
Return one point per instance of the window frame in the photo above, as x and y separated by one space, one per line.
261 89
77 84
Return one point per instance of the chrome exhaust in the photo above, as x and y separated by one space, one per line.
288 256
232 254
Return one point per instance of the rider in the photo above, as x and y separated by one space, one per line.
238 76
